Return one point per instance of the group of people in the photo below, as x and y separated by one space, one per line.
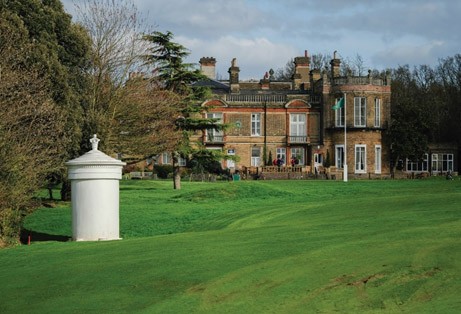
280 162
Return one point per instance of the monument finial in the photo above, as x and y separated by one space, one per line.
94 142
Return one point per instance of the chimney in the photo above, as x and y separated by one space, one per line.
265 82
302 68
234 76
208 67
335 64
314 76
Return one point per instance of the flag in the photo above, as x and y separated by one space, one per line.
339 104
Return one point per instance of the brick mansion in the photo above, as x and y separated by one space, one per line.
293 123
289 129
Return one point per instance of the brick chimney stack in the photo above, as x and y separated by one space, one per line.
234 76
208 67
335 64
302 68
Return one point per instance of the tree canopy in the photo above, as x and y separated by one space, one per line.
175 75
424 108
42 55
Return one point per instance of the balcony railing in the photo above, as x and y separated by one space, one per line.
255 98
315 99
304 139
358 80
215 139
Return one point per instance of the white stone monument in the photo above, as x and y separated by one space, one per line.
95 180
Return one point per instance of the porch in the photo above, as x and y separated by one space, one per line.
276 172
290 173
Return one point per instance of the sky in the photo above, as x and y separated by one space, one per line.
266 34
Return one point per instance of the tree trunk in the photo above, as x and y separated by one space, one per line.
65 190
176 172
394 167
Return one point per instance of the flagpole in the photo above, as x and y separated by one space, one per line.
345 140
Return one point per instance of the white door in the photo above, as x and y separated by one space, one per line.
230 163
255 156
318 161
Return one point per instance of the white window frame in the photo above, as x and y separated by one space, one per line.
298 125
281 152
360 111
360 158
377 112
255 157
182 162
166 159
448 159
417 166
442 162
298 151
255 124
212 134
339 156
378 159
230 163
339 116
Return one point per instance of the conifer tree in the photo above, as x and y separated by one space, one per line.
175 75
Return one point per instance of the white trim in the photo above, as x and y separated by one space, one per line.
298 127
339 160
339 115
377 121
255 161
378 159
358 114
256 131
362 161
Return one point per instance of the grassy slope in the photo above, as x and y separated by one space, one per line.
273 246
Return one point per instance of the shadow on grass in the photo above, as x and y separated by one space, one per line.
40 237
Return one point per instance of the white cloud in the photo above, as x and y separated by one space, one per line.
254 56
205 18
412 54
267 33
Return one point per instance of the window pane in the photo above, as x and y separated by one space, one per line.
297 155
339 115
281 153
213 135
339 156
360 159
360 111
377 159
298 125
256 124
377 112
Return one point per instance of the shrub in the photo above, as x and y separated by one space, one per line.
163 171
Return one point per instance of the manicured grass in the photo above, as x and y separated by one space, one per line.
251 247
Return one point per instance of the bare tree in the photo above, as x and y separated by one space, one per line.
286 73
146 123
115 28
320 61
359 65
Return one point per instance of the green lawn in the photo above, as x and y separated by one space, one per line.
251 247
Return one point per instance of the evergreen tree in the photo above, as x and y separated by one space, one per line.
412 121
177 76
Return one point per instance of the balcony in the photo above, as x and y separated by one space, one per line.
214 139
297 139
255 98
359 80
